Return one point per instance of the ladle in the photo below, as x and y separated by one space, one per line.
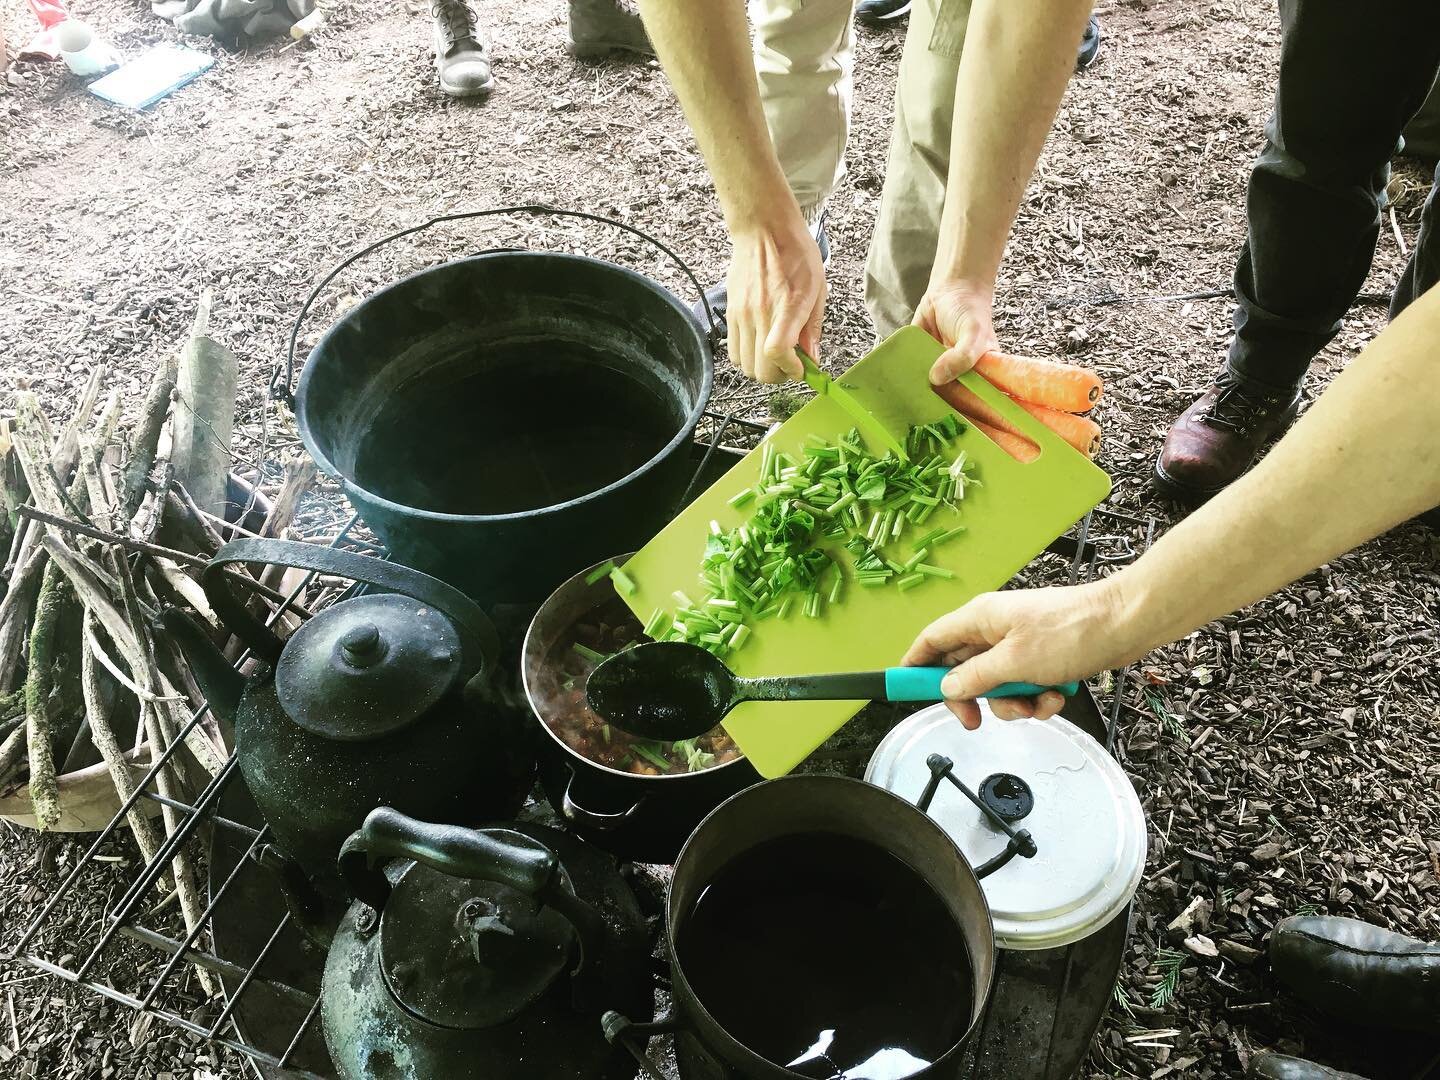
672 690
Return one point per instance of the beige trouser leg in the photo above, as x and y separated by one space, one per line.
804 58
902 250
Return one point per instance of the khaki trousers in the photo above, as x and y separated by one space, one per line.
902 251
804 59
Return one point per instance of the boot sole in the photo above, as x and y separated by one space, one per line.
467 92
602 52
1191 494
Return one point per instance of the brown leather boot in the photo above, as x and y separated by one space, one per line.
1359 973
600 27
1220 436
1285 1067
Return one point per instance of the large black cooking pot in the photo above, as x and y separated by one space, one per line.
505 419
642 818
811 804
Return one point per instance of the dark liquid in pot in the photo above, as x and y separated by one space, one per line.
517 427
831 957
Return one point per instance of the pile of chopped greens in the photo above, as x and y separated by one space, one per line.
837 495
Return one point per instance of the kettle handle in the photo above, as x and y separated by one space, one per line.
478 640
500 855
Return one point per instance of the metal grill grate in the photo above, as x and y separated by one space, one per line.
104 957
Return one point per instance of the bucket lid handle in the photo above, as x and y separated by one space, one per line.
284 390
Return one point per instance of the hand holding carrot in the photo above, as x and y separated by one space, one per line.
957 315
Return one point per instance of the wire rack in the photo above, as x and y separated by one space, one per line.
138 953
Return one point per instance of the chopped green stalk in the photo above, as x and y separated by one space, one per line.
934 571
653 756
715 529
848 499
812 605
928 539
924 515
624 583
915 560
683 600
721 602
835 587
785 606
874 582
657 622
740 498
875 520
898 527
950 534
895 566
924 500
605 733
590 654
909 582
599 572
713 639
738 638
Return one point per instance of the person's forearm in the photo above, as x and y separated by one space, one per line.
1364 458
704 46
1017 60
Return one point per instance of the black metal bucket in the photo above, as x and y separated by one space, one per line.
503 420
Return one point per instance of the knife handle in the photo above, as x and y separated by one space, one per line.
923 684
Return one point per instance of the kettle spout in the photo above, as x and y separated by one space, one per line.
221 683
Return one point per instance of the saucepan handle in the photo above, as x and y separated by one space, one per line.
478 639
577 814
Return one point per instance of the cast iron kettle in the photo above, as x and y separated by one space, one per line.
378 700
487 954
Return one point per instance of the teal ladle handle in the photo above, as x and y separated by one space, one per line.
923 684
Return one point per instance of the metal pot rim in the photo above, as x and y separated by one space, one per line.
687 428
532 642
733 1044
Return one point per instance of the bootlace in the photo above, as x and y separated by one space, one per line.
458 18
1239 404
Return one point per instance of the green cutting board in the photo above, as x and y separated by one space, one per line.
1010 517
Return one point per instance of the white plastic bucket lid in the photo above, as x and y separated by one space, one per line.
1087 821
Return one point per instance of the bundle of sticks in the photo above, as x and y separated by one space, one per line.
105 534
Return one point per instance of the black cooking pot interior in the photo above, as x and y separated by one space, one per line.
818 804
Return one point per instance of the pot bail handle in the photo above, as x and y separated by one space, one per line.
478 640
285 390
502 856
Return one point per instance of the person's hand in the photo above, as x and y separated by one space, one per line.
776 300
957 314
1044 636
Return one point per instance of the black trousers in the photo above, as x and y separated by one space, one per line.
1351 77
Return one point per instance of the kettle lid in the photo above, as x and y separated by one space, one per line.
469 954
367 667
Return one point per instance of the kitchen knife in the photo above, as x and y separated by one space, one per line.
864 419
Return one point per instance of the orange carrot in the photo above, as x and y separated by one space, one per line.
1079 431
969 404
1018 447
1044 382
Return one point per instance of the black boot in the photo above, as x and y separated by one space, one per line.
1360 973
719 295
1089 45
881 12
1284 1067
